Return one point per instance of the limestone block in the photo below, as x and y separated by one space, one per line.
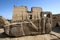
7 29
36 13
43 25
48 25
20 13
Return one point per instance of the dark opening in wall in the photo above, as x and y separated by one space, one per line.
48 15
57 25
30 16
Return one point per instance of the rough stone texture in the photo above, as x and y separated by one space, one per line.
46 22
36 12
43 25
56 20
48 25
3 22
36 25
19 14
29 23
37 37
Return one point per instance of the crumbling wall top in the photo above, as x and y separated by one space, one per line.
36 9
20 8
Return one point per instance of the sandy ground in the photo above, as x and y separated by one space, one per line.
36 37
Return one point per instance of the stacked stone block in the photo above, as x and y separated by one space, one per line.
36 12
22 24
19 14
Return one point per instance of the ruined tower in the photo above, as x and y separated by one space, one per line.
36 13
19 14
26 22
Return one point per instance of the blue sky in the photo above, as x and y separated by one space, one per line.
6 6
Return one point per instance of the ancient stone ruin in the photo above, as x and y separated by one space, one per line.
24 22
56 20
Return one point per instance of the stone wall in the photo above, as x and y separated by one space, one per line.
19 13
56 20
3 22
36 12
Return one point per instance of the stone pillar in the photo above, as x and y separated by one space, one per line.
49 22
48 25
43 21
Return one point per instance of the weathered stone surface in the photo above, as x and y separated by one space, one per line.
36 12
48 25
36 37
43 25
7 29
3 22
20 14
22 24
56 20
